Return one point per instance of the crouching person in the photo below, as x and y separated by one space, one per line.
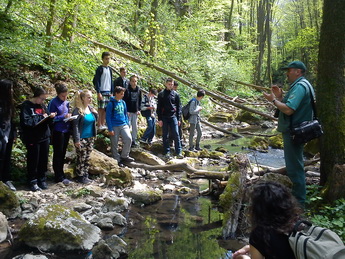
118 125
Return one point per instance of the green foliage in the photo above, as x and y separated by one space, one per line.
325 215
77 193
18 162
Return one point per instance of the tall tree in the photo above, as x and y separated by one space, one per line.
331 87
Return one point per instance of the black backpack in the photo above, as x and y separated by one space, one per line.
315 242
185 110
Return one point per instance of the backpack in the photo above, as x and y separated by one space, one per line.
315 242
185 110
146 113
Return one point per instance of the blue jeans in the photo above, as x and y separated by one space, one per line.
150 130
173 125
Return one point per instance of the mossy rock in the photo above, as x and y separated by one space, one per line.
9 202
191 153
221 149
145 195
282 179
216 155
258 143
156 148
276 141
221 117
245 116
57 228
120 177
146 157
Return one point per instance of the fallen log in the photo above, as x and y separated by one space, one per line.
221 129
282 170
259 134
190 170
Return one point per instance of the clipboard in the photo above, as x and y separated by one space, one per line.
46 119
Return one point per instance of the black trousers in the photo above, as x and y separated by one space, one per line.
60 143
37 160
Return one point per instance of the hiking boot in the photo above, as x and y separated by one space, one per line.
127 159
34 187
167 156
66 181
84 180
134 144
192 149
43 185
198 148
179 156
10 185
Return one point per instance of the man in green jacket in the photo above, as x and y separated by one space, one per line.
294 108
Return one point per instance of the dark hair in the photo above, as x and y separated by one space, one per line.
105 54
119 89
6 98
273 207
201 92
153 91
169 79
60 88
175 83
122 69
38 91
132 76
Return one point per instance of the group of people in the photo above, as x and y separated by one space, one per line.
121 101
41 126
119 104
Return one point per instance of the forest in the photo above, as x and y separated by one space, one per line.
219 45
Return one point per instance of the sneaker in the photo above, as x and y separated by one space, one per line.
167 156
179 156
34 187
192 149
43 185
10 185
143 141
66 181
134 144
198 148
84 180
127 159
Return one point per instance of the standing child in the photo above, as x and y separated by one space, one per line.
117 121
61 131
103 83
194 120
34 121
84 132
132 98
7 131
148 107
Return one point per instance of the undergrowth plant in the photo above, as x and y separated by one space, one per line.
323 214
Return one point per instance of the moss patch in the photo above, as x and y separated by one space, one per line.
8 200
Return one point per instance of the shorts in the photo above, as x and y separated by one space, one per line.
102 104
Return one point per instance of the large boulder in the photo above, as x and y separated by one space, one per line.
107 166
9 203
221 117
141 193
245 116
145 157
3 227
57 228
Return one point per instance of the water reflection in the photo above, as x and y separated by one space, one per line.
177 227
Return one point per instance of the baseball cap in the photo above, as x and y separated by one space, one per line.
296 64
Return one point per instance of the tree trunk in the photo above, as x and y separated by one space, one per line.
261 39
153 28
8 6
49 27
331 87
228 24
70 22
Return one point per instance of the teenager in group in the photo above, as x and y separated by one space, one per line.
180 125
84 132
34 120
169 113
194 120
103 83
61 130
148 108
118 125
122 80
132 98
7 131
273 214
